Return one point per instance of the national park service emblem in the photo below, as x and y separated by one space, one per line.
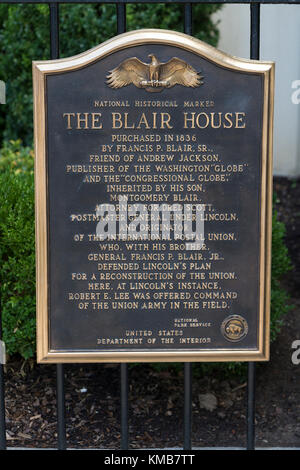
234 328
154 77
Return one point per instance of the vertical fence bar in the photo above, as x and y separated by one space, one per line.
124 407
254 54
255 30
2 411
251 406
188 18
121 18
60 376
187 441
121 28
2 396
54 31
61 423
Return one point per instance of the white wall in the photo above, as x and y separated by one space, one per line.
280 41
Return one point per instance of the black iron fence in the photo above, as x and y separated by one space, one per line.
124 379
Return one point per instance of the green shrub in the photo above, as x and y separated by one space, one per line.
281 264
24 37
17 260
17 257
17 158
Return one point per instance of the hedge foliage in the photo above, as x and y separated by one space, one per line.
17 249
17 254
24 37
281 264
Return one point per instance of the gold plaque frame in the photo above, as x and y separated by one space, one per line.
151 36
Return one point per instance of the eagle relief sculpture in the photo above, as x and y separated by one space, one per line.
154 77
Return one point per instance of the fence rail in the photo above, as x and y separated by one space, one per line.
124 379
244 2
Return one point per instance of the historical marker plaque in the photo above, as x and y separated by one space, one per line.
153 202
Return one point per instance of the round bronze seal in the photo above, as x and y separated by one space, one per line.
234 328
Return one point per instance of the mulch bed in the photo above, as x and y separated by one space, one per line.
156 397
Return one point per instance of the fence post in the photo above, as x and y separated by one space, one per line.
124 407
187 441
60 386
255 31
254 54
121 28
121 18
251 406
2 395
54 30
61 424
188 18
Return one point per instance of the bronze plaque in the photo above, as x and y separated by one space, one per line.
153 202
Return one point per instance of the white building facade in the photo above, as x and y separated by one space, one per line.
280 42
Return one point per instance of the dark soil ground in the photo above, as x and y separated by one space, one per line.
156 397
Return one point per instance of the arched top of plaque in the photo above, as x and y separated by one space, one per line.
153 36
